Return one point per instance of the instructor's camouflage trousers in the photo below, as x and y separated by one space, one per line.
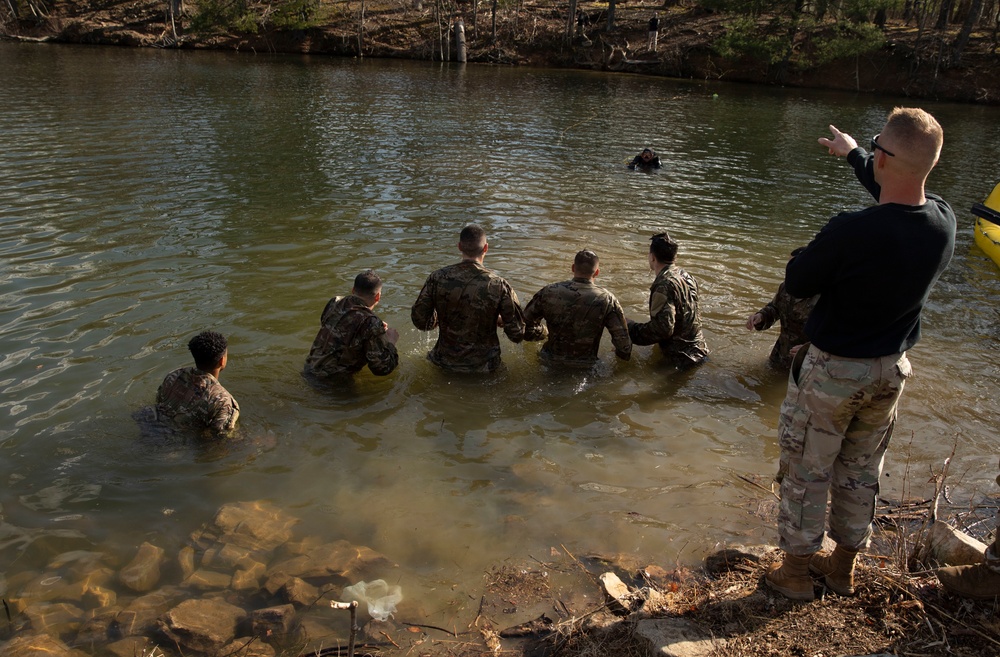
992 556
835 426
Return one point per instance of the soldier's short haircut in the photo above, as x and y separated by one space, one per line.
472 240
585 263
367 283
918 133
663 248
208 347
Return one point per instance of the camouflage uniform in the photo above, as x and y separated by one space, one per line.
576 313
834 428
792 312
193 398
675 323
992 556
464 301
350 337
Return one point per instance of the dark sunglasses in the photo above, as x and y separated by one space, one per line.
877 146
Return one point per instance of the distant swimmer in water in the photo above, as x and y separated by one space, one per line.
646 160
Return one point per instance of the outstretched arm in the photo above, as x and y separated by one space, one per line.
844 145
841 144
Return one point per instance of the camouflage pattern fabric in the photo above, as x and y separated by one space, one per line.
992 556
833 430
196 399
576 313
350 337
675 323
466 302
792 312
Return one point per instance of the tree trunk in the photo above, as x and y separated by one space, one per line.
571 21
361 30
493 20
611 15
945 14
962 39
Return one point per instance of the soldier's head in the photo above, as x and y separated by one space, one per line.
662 249
472 241
909 144
210 350
368 286
586 264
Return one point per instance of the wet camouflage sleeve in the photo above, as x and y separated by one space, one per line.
793 313
769 313
422 314
617 326
190 397
534 330
380 354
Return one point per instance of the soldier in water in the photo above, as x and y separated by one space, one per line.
351 336
466 302
576 312
192 397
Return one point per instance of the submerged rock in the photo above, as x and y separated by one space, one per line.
39 645
143 572
201 625
255 526
273 624
132 646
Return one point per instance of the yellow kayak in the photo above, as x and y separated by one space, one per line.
987 230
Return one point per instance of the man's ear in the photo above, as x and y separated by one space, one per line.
596 272
378 296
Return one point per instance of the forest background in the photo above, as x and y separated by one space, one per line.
939 49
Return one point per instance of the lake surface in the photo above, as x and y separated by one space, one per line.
148 195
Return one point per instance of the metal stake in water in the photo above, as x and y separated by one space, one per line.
353 606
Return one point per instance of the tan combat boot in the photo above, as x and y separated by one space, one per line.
979 582
791 578
836 569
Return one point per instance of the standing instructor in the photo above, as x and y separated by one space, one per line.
873 270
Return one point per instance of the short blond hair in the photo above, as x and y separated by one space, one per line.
917 135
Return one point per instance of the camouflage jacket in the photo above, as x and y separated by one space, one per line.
193 398
576 313
674 321
792 313
350 337
466 302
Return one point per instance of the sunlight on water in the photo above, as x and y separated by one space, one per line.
151 195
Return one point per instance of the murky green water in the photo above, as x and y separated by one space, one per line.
148 195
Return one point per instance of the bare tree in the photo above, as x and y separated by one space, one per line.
962 39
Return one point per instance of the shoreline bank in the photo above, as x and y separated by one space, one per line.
909 63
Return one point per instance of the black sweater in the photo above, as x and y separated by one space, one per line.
873 270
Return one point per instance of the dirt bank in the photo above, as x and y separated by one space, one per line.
910 63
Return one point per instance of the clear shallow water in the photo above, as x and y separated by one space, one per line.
148 195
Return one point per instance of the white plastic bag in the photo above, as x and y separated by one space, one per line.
380 598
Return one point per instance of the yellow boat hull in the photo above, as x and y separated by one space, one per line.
987 230
988 239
